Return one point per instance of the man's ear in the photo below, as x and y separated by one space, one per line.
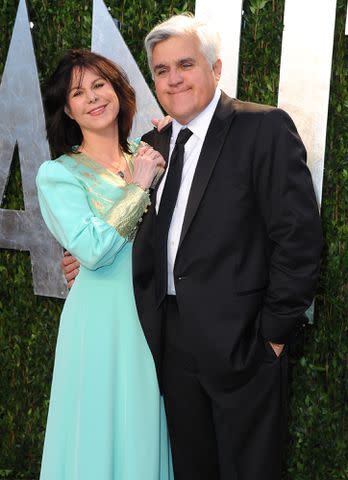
67 111
217 67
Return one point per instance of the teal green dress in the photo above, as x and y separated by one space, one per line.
106 418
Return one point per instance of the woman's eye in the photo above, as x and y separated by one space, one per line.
77 93
99 85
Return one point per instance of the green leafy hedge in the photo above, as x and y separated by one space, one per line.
318 440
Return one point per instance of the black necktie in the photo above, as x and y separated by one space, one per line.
166 209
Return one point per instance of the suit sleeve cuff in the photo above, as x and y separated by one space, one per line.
282 330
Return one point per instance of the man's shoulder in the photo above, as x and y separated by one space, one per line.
149 136
251 113
241 106
152 137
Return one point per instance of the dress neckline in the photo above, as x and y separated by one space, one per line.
82 158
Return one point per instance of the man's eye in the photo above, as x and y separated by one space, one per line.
161 72
186 65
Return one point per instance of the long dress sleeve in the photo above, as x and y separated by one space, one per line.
65 208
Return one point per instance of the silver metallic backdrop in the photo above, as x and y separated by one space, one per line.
108 41
22 122
303 92
305 72
226 16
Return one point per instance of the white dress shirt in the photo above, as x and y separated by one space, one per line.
199 127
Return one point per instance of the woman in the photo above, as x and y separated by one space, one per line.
105 419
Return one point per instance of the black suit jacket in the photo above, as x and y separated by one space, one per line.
248 259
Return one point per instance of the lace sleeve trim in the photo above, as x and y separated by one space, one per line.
126 214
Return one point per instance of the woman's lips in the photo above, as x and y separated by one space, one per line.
97 110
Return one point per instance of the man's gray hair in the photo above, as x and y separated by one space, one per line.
182 25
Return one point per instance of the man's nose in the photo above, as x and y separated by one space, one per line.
174 77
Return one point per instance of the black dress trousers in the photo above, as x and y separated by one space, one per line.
222 434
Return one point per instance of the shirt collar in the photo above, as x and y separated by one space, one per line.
200 124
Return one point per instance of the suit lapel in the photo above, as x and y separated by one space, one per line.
144 240
210 152
161 141
161 144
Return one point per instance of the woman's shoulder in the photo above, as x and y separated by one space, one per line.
54 170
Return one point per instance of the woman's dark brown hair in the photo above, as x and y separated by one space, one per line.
62 132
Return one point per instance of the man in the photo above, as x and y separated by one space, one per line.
242 260
225 262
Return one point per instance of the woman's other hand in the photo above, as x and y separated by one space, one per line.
70 267
162 122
